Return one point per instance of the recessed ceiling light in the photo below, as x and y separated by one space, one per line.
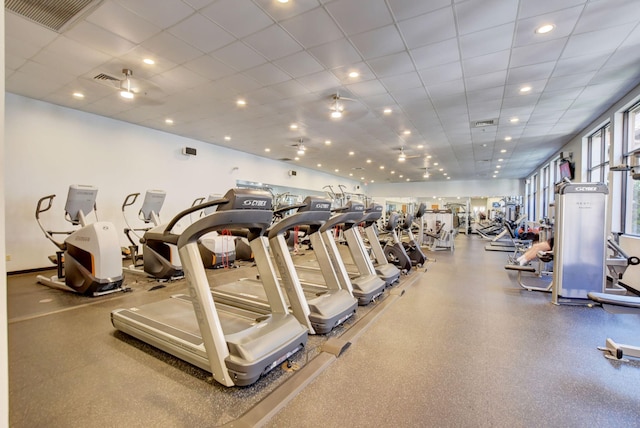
373 181
368 160
484 145
401 176
336 170
420 146
441 169
148 61
444 174
293 126
351 174
361 178
495 172
448 178
327 142
267 150
319 165
514 120
168 121
283 1
381 166
498 166
500 160
408 179
354 74
493 176
543 29
227 138
507 138
429 157
435 164
241 102
393 172
351 153
296 158
78 94
503 151
525 89
406 132
387 111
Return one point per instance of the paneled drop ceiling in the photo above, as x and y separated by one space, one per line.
450 73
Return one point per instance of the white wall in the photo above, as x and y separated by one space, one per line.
498 187
49 147
4 363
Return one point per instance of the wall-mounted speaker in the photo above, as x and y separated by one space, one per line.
189 151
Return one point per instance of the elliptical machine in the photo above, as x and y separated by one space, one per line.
411 246
89 260
393 249
160 258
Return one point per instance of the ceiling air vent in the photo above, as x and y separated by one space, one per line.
285 159
103 76
483 123
55 15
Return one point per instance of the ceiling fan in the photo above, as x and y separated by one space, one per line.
337 106
403 156
131 88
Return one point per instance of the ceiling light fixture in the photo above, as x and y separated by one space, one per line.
267 150
525 89
78 94
168 121
354 74
387 111
148 61
336 108
293 126
507 138
126 92
227 138
327 142
402 157
543 29
301 148
514 120
241 102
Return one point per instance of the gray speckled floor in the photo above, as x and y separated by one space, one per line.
464 346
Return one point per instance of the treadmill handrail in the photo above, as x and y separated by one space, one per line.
190 210
257 221
311 218
350 217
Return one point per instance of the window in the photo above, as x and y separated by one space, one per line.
598 158
631 144
545 190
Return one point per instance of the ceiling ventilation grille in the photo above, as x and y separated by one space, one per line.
103 76
483 123
285 159
52 14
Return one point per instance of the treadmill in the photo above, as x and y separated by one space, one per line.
321 306
366 286
388 272
235 346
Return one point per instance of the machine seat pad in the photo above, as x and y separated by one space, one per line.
520 268
613 299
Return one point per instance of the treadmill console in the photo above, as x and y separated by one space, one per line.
246 199
315 203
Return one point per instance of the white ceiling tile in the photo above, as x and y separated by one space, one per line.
273 42
321 81
404 9
198 4
168 46
238 17
299 64
540 52
290 88
71 55
485 81
563 20
367 89
267 74
441 73
21 48
623 57
358 16
389 65
171 11
592 62
338 53
487 41
55 77
611 74
27 31
530 73
428 28
12 63
209 67
239 56
379 42
126 24
446 89
313 28
606 14
436 54
570 81
401 82
597 41
202 33
240 83
95 37
489 63
281 11
477 15
30 85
